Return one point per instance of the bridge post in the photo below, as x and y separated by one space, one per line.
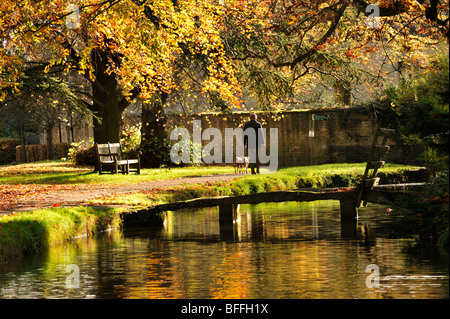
227 215
228 212
348 210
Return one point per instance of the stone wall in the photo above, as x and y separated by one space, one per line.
346 137
64 133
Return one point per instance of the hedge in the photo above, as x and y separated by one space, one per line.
8 150
36 153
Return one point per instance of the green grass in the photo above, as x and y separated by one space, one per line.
31 232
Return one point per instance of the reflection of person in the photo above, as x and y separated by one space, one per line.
254 149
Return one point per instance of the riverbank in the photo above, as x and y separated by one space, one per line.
30 232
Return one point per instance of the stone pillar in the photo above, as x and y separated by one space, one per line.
227 216
349 218
348 210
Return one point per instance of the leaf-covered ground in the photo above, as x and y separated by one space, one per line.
55 184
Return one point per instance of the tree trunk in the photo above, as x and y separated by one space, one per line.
22 142
154 142
107 122
106 104
342 93
49 140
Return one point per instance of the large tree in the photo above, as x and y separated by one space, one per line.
124 48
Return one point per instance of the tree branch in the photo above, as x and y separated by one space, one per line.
96 101
397 7
126 100
89 106
322 40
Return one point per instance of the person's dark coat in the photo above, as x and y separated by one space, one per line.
253 124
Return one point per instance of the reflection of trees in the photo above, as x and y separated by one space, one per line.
273 257
283 269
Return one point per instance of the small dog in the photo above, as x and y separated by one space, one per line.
240 165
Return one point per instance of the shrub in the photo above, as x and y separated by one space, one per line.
83 153
130 138
86 156
8 150
418 109
60 150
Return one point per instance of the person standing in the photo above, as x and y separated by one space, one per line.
253 147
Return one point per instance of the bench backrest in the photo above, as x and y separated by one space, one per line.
107 152
116 149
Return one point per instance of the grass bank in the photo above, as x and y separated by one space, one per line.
320 176
31 232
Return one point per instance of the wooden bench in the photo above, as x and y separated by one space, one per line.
110 155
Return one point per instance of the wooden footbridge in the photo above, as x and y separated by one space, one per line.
350 198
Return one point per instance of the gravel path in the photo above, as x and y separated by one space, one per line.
75 197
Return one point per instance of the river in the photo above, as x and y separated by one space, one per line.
277 250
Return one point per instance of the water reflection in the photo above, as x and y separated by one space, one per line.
287 250
272 221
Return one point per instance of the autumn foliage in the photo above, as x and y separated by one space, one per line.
272 50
